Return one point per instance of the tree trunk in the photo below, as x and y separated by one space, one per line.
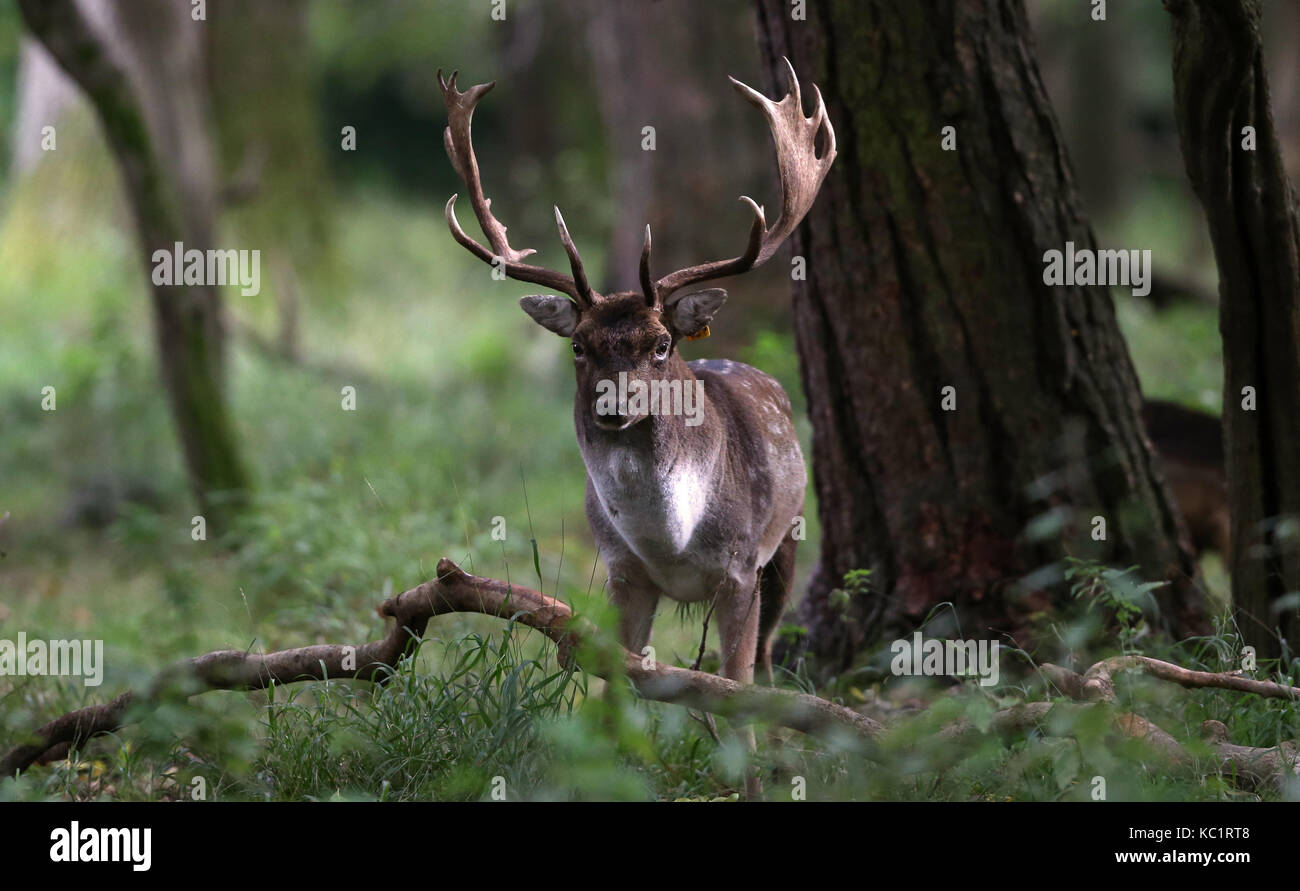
926 271
140 65
1220 87
43 94
277 183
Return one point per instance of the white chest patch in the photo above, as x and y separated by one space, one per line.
685 503
650 511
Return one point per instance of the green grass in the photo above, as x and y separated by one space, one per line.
463 415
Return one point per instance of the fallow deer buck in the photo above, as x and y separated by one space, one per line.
696 512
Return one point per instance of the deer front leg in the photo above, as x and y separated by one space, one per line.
738 614
636 604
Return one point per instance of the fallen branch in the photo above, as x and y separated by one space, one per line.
452 591
455 591
1256 766
1097 682
1250 766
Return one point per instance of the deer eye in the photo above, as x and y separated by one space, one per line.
661 351
578 351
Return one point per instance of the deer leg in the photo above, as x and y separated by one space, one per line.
775 581
636 603
636 607
738 619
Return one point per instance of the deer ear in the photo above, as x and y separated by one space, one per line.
553 313
690 313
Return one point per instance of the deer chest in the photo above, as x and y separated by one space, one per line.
654 510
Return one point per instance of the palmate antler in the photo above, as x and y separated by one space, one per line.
460 149
802 173
801 170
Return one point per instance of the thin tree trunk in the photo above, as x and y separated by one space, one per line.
270 148
1220 87
925 271
146 86
43 94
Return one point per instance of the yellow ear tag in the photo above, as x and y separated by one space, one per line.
699 335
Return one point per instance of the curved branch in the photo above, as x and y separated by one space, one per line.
1250 766
1096 683
451 591
456 591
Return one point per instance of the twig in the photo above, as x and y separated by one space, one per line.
1096 682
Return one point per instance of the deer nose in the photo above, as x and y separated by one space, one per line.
618 419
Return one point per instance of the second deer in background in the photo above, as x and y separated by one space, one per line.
1190 444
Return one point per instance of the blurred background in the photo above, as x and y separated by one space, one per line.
463 405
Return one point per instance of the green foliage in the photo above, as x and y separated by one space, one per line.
420 736
857 583
1118 590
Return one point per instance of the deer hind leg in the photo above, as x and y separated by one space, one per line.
775 582
738 620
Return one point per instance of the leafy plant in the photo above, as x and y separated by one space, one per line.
1118 590
857 584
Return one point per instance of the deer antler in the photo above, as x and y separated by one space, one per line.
460 149
802 173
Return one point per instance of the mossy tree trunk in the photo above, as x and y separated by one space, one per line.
147 89
1220 88
925 271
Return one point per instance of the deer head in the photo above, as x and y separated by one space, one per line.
636 333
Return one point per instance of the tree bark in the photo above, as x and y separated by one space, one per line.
925 271
140 65
1220 87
